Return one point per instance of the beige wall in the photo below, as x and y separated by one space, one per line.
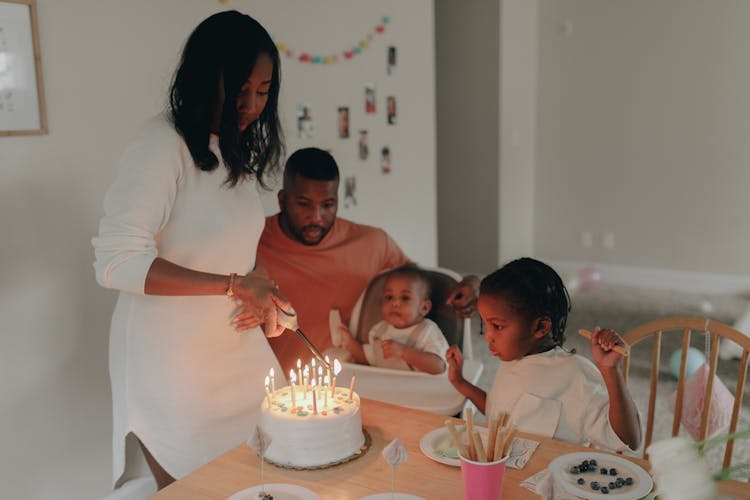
107 66
467 49
643 126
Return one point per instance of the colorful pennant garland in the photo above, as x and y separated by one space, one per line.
344 55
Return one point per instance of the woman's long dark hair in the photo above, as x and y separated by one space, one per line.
224 48
533 289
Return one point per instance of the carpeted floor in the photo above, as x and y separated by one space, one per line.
623 308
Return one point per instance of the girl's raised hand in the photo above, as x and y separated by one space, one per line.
455 364
603 342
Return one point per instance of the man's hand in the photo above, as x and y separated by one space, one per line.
464 297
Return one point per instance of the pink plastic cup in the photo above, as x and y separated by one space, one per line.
483 480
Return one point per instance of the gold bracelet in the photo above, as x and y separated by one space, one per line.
230 293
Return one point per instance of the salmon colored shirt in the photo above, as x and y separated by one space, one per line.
318 278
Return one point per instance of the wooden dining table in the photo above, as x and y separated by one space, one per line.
369 474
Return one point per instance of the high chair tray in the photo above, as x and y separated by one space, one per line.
418 390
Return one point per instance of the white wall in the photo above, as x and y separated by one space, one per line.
106 67
643 126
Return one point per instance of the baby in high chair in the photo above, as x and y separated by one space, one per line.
404 339
546 389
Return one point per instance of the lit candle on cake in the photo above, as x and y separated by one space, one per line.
351 387
315 400
273 382
328 368
336 371
319 380
268 393
306 373
299 369
293 379
325 392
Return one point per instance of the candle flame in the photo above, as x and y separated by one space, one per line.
328 361
320 370
292 376
325 380
306 371
336 367
268 381
312 362
271 372
312 383
299 363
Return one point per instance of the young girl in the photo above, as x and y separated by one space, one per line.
546 389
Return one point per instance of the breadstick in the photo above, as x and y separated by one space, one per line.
621 349
481 455
498 451
456 437
508 441
491 438
506 418
469 432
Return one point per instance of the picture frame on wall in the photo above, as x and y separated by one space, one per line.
22 106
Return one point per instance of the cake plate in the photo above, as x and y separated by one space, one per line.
361 451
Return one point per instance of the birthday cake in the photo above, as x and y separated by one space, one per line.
310 433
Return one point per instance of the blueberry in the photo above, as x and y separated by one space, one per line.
611 485
594 485
605 490
603 470
581 480
585 463
575 470
612 471
628 481
592 462
620 482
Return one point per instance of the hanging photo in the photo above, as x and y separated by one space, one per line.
350 188
391 107
391 60
385 160
369 98
343 122
304 122
364 151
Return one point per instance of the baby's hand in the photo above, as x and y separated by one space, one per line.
455 364
392 349
603 342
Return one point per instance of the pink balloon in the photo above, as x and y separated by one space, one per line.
590 277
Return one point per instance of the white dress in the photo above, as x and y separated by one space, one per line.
183 380
555 394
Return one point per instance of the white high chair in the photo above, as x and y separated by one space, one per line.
422 391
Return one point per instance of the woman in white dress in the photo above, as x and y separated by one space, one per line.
181 218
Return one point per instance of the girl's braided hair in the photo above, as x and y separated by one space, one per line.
534 290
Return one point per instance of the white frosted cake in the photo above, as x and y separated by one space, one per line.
302 438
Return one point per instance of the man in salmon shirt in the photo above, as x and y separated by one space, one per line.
321 262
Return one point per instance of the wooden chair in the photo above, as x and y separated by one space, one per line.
686 325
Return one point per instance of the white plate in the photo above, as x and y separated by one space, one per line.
280 491
560 467
389 496
436 442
